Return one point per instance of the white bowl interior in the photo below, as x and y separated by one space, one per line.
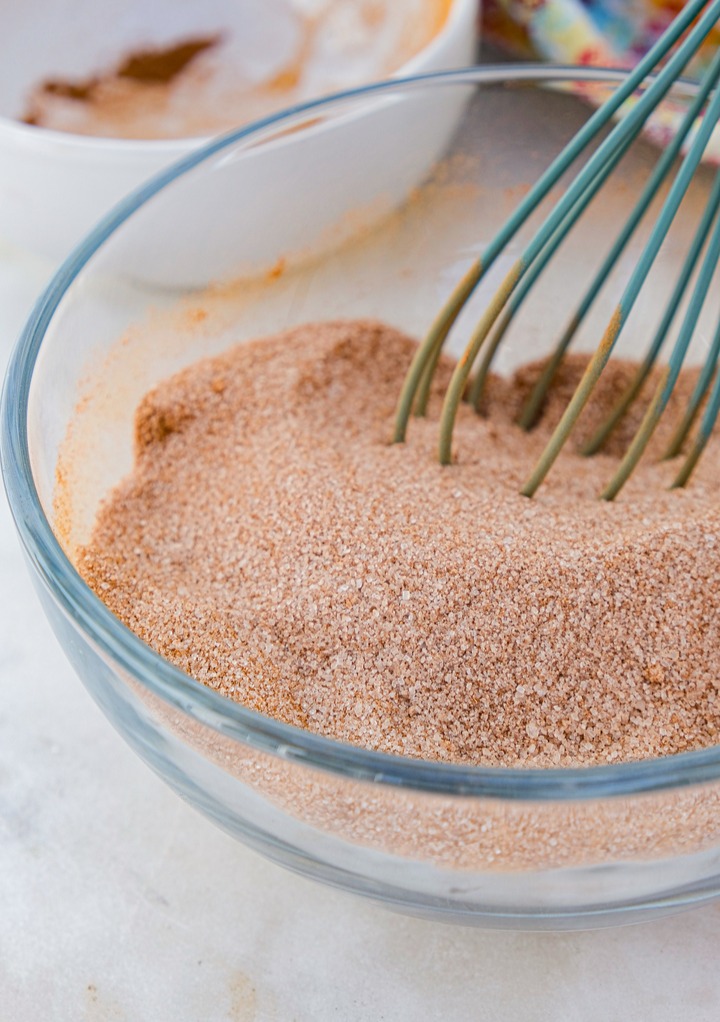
55 185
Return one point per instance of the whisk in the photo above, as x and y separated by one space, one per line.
642 91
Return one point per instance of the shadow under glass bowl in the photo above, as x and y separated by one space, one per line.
368 204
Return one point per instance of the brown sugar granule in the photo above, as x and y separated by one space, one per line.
271 543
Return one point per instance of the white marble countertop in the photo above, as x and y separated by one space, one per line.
119 902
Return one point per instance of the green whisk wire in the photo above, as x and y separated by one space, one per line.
428 353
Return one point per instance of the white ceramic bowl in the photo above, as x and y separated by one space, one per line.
54 185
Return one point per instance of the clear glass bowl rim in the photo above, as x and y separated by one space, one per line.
191 697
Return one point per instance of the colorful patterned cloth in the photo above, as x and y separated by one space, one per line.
607 33
612 33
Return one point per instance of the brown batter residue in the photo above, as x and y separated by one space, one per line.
164 65
157 68
209 83
271 543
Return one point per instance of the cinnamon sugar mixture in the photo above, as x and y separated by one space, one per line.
271 543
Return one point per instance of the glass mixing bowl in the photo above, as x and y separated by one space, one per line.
373 204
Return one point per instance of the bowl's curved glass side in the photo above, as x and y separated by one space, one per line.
459 857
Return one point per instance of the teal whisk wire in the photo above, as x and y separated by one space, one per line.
535 272
700 390
670 372
637 279
599 438
707 424
428 353
703 115
630 125
531 409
